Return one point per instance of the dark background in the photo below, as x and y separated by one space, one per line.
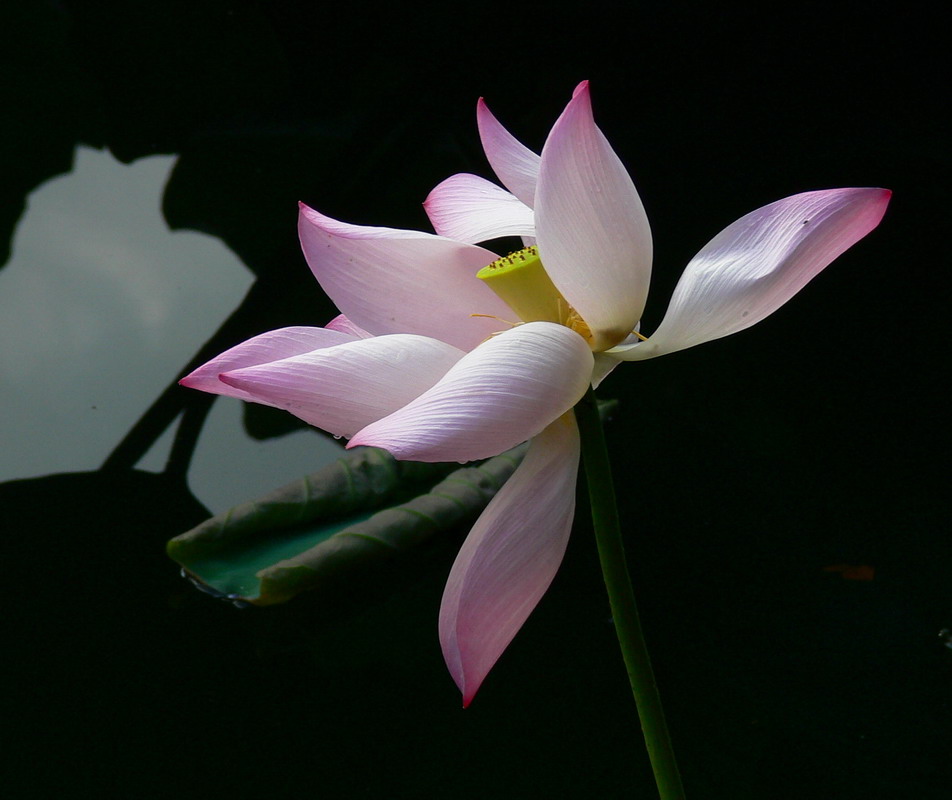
745 466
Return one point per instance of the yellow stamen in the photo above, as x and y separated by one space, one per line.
500 319
521 280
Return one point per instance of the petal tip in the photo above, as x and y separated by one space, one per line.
875 201
229 379
306 212
582 87
192 381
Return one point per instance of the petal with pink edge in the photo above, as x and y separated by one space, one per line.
394 281
342 389
344 325
510 557
261 349
514 163
758 263
505 391
471 209
591 227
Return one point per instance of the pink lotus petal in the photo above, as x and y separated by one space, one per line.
758 263
505 391
591 228
342 389
510 557
392 281
471 209
261 349
344 325
514 163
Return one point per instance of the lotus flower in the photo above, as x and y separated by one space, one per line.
434 364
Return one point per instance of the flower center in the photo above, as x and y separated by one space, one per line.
522 282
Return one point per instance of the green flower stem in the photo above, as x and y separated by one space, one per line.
611 553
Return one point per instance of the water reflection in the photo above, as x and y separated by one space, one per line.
100 306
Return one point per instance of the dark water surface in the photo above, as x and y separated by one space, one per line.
784 491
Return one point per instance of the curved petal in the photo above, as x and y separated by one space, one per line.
514 163
591 227
342 389
261 349
755 265
393 281
471 209
510 557
605 364
505 391
344 325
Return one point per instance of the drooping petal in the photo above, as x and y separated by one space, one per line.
471 209
755 265
591 227
342 389
394 281
505 391
514 163
261 349
510 557
341 323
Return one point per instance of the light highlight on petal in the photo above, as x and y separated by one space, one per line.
342 389
394 281
261 349
471 209
514 163
502 393
510 557
591 227
758 263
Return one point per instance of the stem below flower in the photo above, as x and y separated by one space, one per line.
611 553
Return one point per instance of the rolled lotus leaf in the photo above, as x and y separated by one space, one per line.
365 508
361 479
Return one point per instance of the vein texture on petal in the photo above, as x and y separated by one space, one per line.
510 557
758 263
502 393
591 228
514 163
342 389
471 209
344 325
261 349
393 281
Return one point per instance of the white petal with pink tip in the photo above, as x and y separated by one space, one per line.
471 209
342 389
510 557
514 163
502 393
758 263
591 228
261 349
387 280
344 325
